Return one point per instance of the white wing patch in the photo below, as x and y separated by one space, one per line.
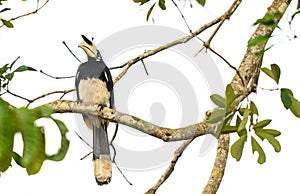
77 75
106 77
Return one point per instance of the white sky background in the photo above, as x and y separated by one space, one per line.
38 40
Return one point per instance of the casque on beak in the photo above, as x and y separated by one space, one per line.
89 47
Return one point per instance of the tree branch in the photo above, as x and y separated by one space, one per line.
183 40
171 166
166 134
249 70
27 14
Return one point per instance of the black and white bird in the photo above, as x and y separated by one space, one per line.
94 84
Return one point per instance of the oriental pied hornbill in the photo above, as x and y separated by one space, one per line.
94 85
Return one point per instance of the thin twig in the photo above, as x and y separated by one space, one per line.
83 140
115 153
71 51
145 67
169 170
112 140
122 173
82 158
227 62
64 92
85 156
269 89
207 44
183 40
54 77
187 25
18 96
27 14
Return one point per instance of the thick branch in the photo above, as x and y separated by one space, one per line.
166 134
249 70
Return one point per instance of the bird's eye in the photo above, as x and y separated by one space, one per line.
87 40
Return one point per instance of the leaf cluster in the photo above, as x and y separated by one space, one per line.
246 120
286 95
22 120
5 22
7 73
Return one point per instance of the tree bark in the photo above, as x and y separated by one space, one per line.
249 70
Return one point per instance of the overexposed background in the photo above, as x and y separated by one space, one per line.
38 40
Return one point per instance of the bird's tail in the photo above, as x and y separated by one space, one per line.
101 155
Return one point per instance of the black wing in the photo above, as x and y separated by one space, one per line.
107 78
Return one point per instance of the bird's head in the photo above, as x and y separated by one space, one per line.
89 48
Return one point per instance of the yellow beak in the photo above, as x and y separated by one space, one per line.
88 46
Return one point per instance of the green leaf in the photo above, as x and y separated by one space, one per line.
256 147
276 72
7 23
216 116
18 159
230 98
35 167
7 131
295 108
262 52
229 93
296 13
9 76
262 124
161 4
242 110
142 1
286 97
259 40
253 108
42 111
229 129
24 68
242 132
12 64
269 20
3 69
201 2
150 11
267 71
236 149
238 120
272 132
64 145
274 142
33 136
273 73
289 101
218 100
244 121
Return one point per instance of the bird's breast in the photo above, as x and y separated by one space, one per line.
94 90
